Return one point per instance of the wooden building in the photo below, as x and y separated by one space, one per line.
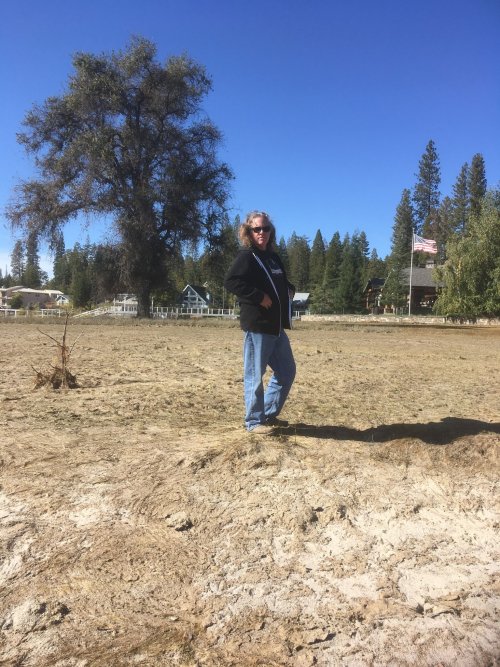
424 291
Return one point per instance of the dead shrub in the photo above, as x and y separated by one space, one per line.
59 376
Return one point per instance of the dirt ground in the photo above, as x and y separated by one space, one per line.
141 525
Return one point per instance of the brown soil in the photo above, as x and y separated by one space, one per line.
141 525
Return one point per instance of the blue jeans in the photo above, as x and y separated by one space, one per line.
259 351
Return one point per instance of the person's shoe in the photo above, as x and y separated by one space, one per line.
276 422
262 429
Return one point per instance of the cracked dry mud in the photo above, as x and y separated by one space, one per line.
141 525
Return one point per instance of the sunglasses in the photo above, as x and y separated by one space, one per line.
258 230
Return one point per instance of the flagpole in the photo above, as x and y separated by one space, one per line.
411 272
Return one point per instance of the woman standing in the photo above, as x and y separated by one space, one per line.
257 277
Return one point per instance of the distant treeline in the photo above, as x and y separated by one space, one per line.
334 272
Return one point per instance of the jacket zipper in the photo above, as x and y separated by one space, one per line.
263 266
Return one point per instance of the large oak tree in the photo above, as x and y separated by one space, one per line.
127 142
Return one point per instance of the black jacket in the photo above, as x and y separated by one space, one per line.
253 274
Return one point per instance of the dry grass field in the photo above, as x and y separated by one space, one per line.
141 525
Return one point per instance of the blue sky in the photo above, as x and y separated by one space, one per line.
325 106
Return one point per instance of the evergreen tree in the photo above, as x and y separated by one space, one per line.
216 260
33 274
169 294
460 201
317 262
105 271
445 227
81 285
323 296
376 267
62 276
395 291
298 256
364 248
193 273
426 193
18 263
348 293
283 253
7 280
81 289
236 226
477 184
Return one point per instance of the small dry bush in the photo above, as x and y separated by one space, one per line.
59 376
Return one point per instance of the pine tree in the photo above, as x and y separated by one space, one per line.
80 286
333 260
193 274
236 229
460 200
81 289
217 259
33 272
283 253
322 298
348 293
426 193
7 280
445 227
477 184
105 272
62 276
18 263
317 262
298 255
376 267
395 292
364 248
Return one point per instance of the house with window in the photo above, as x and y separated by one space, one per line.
424 290
63 300
300 302
31 297
372 294
195 296
6 295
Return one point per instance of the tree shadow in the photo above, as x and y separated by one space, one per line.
443 432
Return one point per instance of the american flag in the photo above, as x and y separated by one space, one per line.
424 245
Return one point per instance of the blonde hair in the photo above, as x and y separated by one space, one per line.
245 232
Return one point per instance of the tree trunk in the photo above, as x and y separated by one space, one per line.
144 302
